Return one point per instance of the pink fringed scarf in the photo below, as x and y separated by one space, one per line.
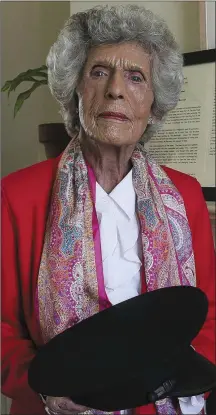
70 281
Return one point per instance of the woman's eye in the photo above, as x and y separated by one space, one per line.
98 73
136 78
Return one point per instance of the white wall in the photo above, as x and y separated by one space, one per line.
182 17
210 24
28 29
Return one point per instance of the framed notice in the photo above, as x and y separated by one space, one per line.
187 140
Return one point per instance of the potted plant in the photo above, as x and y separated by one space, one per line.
52 135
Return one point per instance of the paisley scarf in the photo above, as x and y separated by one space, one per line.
70 281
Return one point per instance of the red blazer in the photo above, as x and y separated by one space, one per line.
26 199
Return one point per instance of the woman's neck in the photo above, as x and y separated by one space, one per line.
110 163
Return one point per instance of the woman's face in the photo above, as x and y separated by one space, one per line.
115 94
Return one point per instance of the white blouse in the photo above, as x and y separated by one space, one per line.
119 233
121 254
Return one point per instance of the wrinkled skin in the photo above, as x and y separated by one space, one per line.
116 78
63 406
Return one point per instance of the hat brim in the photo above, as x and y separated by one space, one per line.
106 361
198 375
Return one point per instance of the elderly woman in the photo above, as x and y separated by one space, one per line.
103 222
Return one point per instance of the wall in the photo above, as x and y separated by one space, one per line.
182 18
28 30
210 24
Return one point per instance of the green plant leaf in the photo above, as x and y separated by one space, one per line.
25 95
42 71
36 72
17 81
28 75
41 68
6 86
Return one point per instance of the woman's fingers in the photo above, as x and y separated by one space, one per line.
69 405
64 406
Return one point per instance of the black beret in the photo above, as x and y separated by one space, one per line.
131 354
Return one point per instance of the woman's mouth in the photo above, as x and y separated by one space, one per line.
114 115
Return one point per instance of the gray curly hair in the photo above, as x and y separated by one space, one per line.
109 25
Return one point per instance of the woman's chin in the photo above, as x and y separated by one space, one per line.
113 136
114 141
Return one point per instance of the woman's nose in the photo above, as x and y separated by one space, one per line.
115 86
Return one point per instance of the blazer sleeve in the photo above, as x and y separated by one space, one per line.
17 349
204 253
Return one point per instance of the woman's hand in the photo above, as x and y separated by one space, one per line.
63 406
